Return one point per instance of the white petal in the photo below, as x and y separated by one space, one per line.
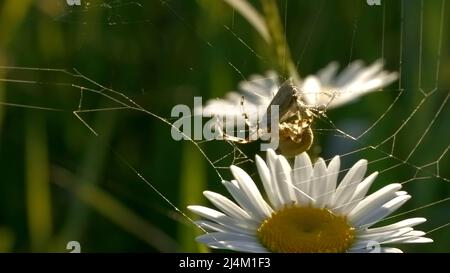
370 240
256 90
284 179
359 193
375 249
365 245
405 223
272 165
349 72
380 80
367 73
398 193
225 237
332 176
415 233
409 239
397 234
239 246
302 175
357 80
263 87
382 236
327 74
348 185
364 186
373 201
219 107
264 174
222 219
319 183
226 205
420 240
249 188
376 215
243 200
311 90
211 226
357 85
390 250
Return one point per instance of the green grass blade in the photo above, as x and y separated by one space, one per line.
38 196
193 183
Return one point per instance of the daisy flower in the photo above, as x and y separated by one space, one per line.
305 210
325 90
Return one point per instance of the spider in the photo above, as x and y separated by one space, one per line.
294 122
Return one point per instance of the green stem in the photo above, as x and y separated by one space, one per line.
278 42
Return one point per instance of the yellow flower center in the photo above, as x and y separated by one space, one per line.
297 229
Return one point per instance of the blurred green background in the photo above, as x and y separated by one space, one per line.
59 182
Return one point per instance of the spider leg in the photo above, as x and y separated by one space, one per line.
244 114
248 123
225 136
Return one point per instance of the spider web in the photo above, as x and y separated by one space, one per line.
395 138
